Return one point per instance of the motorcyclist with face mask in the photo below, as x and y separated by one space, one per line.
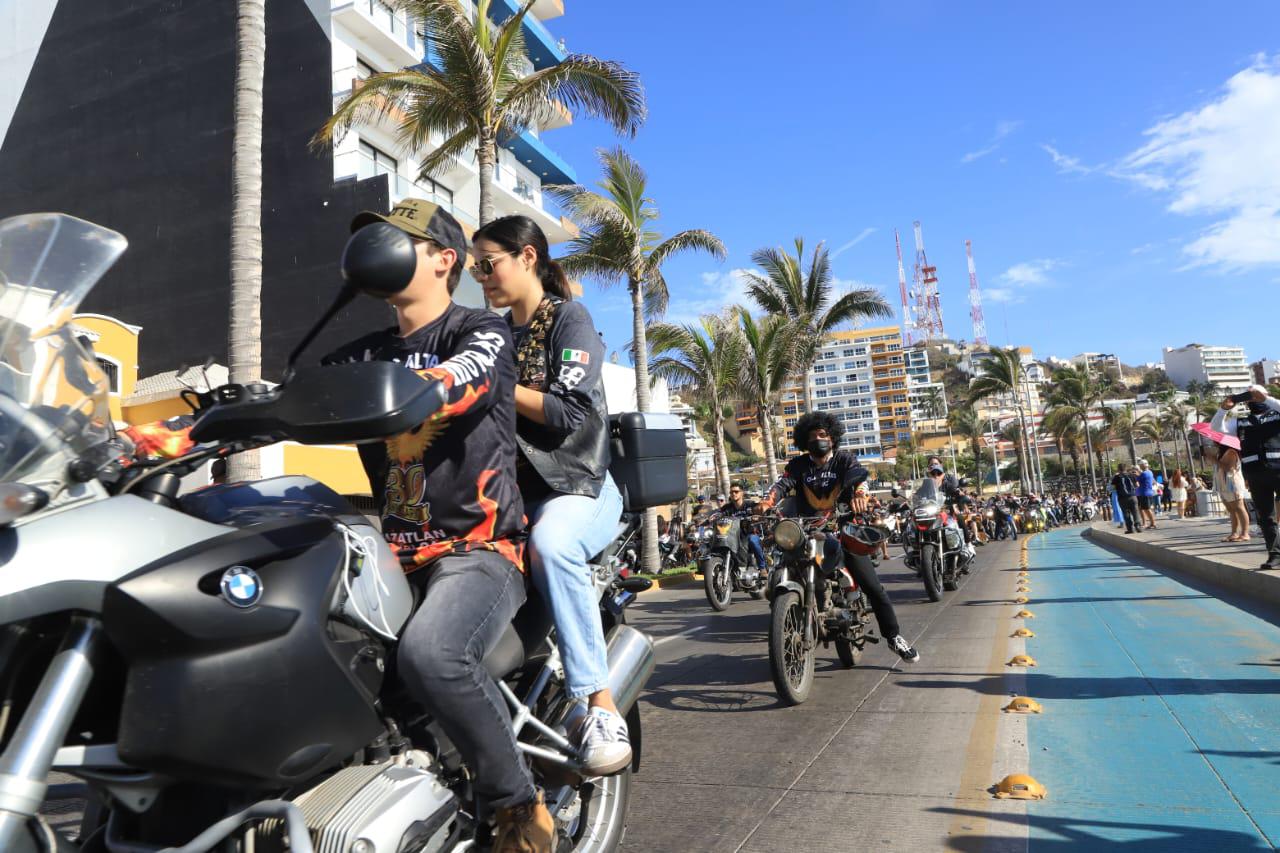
1259 434
820 477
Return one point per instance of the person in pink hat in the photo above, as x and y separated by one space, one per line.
1259 435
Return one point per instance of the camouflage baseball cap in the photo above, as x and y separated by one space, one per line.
422 219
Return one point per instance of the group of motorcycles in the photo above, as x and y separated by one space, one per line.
812 607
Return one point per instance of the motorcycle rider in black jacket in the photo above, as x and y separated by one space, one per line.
820 477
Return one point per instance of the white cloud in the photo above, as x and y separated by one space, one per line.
1029 272
1002 295
1003 129
717 291
864 234
1222 159
1067 164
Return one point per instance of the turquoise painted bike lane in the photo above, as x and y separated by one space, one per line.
1161 723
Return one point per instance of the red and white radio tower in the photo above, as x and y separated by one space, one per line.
928 325
907 325
975 299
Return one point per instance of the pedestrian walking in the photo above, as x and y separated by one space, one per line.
1126 488
1117 512
1259 435
1146 495
1178 493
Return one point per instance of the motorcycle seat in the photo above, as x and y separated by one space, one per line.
524 637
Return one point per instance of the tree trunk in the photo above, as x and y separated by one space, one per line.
641 354
1190 463
1088 440
722 457
486 157
244 339
975 447
770 455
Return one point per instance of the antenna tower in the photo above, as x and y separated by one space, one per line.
975 299
907 325
928 325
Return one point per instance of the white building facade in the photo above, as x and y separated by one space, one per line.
1224 367
369 37
842 382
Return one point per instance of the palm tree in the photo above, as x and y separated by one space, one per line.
244 338
703 357
1152 428
1176 420
475 93
1002 373
618 243
965 421
1099 440
1120 423
1077 393
806 298
770 350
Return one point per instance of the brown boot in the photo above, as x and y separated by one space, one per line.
525 829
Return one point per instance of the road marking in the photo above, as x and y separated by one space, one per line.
684 633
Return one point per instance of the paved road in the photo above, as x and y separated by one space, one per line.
1161 728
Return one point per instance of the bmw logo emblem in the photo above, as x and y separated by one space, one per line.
241 586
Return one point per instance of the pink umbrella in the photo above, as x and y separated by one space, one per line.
1213 435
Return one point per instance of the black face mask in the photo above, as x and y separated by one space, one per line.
819 446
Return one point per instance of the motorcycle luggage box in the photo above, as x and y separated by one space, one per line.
648 459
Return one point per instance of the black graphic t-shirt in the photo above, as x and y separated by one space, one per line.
449 485
818 487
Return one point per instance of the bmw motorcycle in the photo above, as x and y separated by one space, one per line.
218 668
809 605
728 565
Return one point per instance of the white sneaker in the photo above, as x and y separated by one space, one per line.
603 742
904 650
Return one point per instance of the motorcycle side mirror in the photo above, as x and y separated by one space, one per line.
379 261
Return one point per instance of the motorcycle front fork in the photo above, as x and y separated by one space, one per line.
25 763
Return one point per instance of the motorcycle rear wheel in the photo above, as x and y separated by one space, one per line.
789 662
718 585
931 571
602 822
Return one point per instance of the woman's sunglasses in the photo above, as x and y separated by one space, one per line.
484 266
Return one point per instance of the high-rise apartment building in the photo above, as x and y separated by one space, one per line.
1224 367
861 376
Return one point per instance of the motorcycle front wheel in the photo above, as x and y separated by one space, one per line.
931 571
718 585
789 661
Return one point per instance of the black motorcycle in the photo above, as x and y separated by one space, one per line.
728 565
809 605
935 548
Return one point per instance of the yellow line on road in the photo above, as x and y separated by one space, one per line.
976 775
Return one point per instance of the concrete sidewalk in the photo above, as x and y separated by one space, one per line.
1194 546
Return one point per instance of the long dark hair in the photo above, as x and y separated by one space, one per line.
513 233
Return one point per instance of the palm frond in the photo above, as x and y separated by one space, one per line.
597 87
378 96
695 239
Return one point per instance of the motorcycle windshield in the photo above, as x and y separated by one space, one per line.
53 393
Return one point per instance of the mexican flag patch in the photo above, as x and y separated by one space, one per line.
578 355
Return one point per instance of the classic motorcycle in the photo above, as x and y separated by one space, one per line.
218 667
935 548
809 605
1089 509
728 566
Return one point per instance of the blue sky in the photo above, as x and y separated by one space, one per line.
1117 166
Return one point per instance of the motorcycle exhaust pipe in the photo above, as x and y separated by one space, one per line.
631 661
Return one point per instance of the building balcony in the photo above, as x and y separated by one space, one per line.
544 50
376 24
541 160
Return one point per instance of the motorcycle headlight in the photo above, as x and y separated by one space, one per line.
991 513
788 535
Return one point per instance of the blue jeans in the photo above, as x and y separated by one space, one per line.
565 532
757 550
